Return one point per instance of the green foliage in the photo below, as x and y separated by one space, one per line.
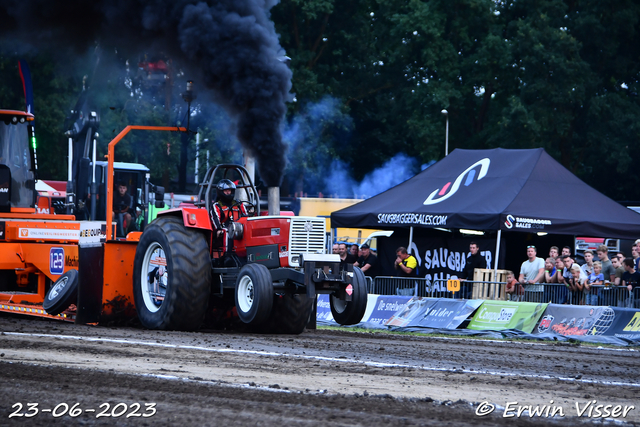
562 75
557 74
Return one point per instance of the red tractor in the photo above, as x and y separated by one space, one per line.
270 267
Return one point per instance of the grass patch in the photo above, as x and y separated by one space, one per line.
386 332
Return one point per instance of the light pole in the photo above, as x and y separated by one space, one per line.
446 134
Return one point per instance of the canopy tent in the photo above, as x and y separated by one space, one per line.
497 189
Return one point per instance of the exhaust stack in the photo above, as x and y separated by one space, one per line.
274 200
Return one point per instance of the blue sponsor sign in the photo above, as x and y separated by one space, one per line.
446 314
56 260
323 313
387 306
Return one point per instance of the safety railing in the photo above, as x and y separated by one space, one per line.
410 286
557 293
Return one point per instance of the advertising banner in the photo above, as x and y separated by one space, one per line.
446 314
323 311
498 315
416 308
384 307
626 323
379 310
572 320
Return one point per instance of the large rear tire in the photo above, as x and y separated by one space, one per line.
254 294
351 312
172 276
290 314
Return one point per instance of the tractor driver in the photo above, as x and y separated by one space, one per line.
121 203
226 209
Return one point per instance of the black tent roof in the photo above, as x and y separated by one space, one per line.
512 190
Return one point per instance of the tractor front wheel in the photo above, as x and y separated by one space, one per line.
254 294
171 276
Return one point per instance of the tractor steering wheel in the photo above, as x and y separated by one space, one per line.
249 208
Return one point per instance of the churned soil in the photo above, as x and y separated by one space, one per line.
322 377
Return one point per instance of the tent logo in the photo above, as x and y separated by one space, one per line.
509 221
470 174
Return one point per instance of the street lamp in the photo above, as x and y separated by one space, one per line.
446 134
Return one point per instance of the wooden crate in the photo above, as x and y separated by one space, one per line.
492 291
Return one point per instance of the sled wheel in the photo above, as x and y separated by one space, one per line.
171 276
351 312
254 294
62 294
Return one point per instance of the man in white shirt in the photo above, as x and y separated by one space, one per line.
532 270
587 267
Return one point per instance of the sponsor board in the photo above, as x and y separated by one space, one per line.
372 314
385 306
446 313
498 315
626 324
323 310
92 232
416 307
572 320
48 233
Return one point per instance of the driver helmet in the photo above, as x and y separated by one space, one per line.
225 184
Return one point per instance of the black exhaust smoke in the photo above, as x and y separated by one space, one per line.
229 45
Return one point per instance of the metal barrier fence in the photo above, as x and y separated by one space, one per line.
410 286
557 293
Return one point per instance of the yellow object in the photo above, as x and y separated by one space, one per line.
323 207
453 285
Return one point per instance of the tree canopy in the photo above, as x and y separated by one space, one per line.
371 77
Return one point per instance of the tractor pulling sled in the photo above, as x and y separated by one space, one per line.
173 273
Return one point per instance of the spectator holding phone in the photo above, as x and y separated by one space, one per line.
587 267
407 264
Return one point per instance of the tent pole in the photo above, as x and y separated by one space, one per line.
495 262
410 239
332 237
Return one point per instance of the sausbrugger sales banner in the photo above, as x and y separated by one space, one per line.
498 315
446 314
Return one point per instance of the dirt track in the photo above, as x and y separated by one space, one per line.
317 378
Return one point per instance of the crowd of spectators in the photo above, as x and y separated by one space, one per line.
608 279
612 281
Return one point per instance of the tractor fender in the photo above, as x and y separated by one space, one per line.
192 217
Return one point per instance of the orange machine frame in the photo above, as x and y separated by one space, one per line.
26 247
